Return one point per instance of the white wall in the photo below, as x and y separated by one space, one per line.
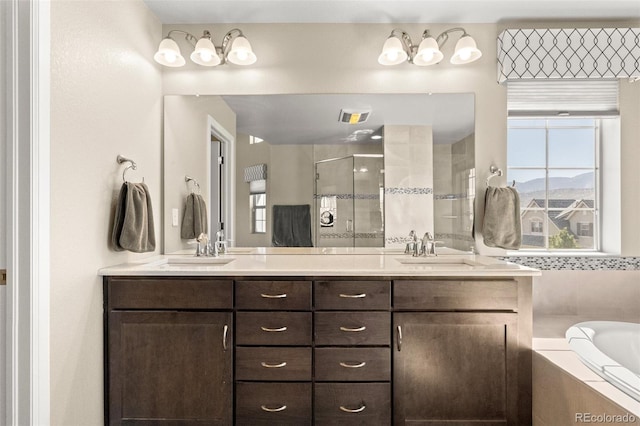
105 100
341 58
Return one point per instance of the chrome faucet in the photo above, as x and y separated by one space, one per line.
220 246
204 247
412 246
428 245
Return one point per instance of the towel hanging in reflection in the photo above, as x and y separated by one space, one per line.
133 227
501 225
291 226
194 221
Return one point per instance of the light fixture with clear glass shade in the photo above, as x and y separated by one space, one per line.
235 49
399 48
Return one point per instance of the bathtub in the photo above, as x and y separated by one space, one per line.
612 350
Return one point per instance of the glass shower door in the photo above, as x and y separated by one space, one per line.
334 203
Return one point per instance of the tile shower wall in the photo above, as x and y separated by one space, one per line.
408 182
454 188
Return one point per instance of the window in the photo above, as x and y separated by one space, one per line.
555 164
585 229
258 205
536 226
254 140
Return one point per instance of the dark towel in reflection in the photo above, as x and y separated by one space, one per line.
292 226
194 221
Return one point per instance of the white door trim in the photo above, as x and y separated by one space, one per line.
228 146
28 205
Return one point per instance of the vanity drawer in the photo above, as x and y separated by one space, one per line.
273 328
446 295
352 328
352 403
169 293
273 364
352 295
273 295
272 404
352 364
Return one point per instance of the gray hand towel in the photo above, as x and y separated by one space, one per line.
134 227
501 225
292 226
194 221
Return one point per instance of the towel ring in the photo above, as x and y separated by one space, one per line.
133 166
196 185
497 172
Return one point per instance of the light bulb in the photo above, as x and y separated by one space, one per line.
465 54
168 53
393 52
206 56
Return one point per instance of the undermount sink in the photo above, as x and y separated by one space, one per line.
439 261
202 260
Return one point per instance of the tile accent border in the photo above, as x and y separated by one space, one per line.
408 191
349 196
576 263
462 196
350 235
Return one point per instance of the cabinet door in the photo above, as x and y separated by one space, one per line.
169 368
455 367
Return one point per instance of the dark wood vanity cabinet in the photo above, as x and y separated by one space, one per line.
460 356
256 351
166 364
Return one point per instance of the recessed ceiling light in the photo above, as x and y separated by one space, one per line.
376 137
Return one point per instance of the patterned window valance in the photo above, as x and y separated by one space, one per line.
257 172
568 53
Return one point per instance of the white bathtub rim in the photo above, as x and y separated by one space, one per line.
580 339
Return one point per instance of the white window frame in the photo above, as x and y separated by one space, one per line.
254 207
597 224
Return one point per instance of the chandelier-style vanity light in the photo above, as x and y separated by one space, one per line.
399 48
235 48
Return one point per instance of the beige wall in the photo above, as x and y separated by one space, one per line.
187 151
105 100
319 66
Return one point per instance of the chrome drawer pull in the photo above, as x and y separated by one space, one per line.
353 330
351 410
225 331
347 365
353 296
267 365
399 338
274 330
273 410
273 296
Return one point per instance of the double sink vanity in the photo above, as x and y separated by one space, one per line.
295 336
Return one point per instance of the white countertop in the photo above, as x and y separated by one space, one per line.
347 261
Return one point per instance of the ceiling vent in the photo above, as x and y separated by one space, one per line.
353 116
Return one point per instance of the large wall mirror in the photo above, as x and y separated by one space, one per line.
367 168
